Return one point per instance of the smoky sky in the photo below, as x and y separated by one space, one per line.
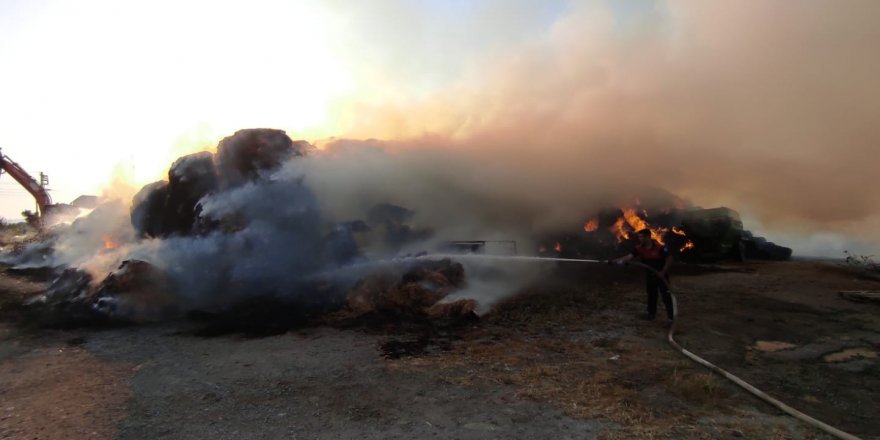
767 107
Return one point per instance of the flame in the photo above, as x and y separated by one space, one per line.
109 243
591 225
630 222
558 247
634 219
689 245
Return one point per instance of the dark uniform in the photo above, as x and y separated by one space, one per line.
655 257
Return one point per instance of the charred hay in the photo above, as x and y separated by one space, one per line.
401 302
135 292
67 303
414 296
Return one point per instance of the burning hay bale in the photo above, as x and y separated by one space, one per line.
415 295
148 210
241 233
244 155
189 179
384 294
162 209
444 274
694 234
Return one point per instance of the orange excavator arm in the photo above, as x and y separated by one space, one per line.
44 201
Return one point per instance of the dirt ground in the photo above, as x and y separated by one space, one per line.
565 359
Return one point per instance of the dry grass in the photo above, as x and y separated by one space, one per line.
702 388
635 383
575 376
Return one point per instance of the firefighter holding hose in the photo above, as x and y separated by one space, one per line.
656 256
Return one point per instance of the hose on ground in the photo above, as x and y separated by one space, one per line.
670 337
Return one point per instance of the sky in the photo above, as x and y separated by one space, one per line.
96 90
767 107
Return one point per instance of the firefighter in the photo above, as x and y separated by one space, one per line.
657 256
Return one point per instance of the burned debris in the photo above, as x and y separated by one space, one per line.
66 303
135 292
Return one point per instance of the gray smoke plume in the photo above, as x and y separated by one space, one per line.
276 241
765 107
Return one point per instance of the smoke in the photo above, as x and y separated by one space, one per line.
288 229
458 197
492 281
513 125
277 241
96 242
767 107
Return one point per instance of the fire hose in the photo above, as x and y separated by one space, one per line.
670 337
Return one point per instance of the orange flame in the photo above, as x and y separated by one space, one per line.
688 245
633 220
558 247
591 225
109 243
630 222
